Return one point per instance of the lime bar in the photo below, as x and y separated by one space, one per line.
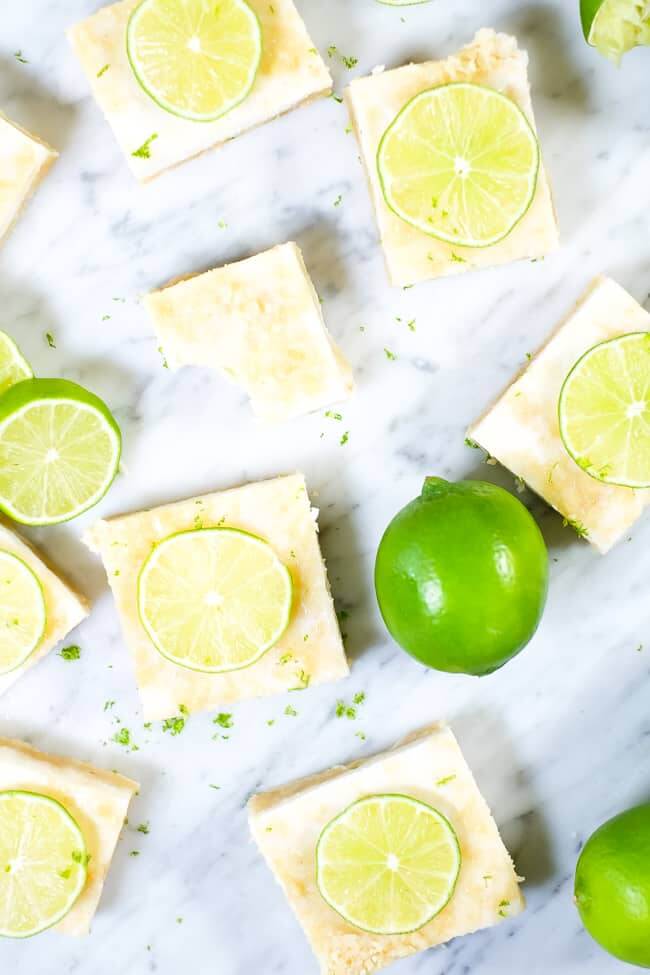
24 161
522 429
47 610
145 114
424 223
183 622
313 835
60 821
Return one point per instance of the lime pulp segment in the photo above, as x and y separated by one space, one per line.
59 451
460 162
616 26
43 863
604 411
13 365
22 612
196 58
214 599
388 864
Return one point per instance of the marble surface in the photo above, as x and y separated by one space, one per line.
559 738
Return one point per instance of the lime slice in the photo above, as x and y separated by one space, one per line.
214 599
616 26
14 367
43 863
197 59
604 411
59 451
22 612
388 864
460 163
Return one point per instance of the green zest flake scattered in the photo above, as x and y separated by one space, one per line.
471 443
290 711
457 259
211 786
359 698
79 857
134 853
71 653
271 722
49 338
529 356
503 905
361 735
337 98
122 737
165 363
64 874
174 725
222 225
108 705
411 325
303 681
344 439
19 57
143 828
223 720
338 201
144 152
333 416
286 657
349 62
578 528
445 780
390 355
103 70
331 50
179 920
549 476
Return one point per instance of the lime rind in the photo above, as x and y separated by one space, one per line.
50 395
169 106
427 224
615 27
151 630
76 867
614 389
447 831
14 367
12 561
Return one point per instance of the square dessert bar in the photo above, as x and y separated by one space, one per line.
258 322
63 607
24 161
428 766
291 72
493 60
522 429
98 801
310 650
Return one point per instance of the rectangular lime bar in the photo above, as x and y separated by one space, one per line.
429 766
493 60
24 161
521 430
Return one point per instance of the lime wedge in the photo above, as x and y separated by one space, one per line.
214 599
604 411
59 451
14 367
22 612
197 59
43 863
616 26
388 864
460 163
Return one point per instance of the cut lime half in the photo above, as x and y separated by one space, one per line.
214 599
43 863
460 163
604 411
195 58
59 451
22 612
616 26
14 367
388 864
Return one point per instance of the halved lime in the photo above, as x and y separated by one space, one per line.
195 58
460 163
388 864
43 863
604 411
14 367
214 599
59 451
616 26
22 612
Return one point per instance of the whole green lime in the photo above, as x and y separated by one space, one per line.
612 886
461 576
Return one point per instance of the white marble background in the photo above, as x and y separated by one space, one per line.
559 739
